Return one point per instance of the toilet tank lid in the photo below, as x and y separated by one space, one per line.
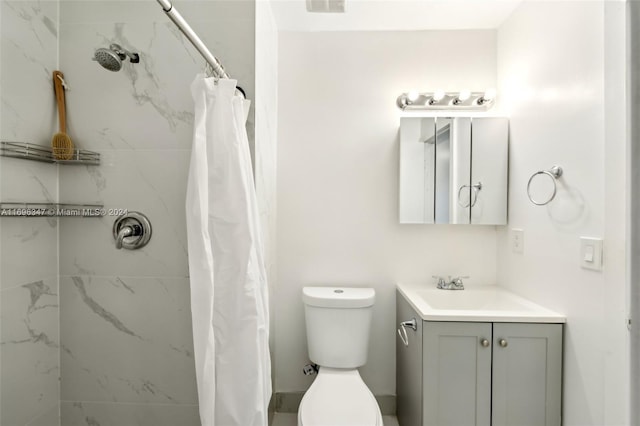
338 297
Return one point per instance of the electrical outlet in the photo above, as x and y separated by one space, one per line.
517 241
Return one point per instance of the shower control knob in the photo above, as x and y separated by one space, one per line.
132 231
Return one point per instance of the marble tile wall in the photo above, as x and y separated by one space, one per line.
29 313
126 342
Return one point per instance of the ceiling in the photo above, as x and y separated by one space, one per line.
395 15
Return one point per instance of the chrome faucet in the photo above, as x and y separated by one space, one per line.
450 283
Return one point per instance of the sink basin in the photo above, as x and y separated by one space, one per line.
477 304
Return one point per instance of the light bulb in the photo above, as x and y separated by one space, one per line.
464 95
437 97
489 94
413 96
402 101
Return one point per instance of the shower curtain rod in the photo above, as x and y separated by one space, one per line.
186 29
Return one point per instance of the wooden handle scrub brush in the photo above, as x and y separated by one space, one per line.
61 142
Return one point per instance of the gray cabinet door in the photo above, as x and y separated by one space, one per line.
408 367
457 374
527 374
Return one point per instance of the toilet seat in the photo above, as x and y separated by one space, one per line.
339 398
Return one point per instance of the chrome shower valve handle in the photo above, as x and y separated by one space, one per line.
131 231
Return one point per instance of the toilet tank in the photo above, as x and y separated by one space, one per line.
338 324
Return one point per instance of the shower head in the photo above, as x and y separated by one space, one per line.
112 57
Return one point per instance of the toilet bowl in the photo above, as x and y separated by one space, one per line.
338 322
339 398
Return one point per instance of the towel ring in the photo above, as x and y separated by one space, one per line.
554 174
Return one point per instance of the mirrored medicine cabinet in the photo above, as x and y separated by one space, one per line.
453 170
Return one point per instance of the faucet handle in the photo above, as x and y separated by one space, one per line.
461 277
441 282
457 284
458 280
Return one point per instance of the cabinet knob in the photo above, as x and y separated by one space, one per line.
503 343
484 343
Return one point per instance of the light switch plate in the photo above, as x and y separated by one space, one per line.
517 240
591 253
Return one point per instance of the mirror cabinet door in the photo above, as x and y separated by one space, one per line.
442 169
489 168
460 200
417 168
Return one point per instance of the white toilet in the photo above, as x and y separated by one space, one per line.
338 323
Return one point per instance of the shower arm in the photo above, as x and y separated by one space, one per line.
186 29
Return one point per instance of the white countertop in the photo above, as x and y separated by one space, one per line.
475 304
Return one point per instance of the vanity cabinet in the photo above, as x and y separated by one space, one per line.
478 373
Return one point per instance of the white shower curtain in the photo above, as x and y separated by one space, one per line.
229 301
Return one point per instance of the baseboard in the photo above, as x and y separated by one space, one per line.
271 409
288 402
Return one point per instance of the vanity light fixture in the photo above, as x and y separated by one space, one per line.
441 100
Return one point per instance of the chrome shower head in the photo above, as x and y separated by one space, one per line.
108 59
112 57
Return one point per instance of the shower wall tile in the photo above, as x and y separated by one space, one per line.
29 248
127 350
146 105
82 11
50 418
29 374
29 45
151 182
126 339
29 352
22 180
113 414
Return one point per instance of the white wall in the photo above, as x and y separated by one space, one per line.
338 180
616 231
633 68
552 76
